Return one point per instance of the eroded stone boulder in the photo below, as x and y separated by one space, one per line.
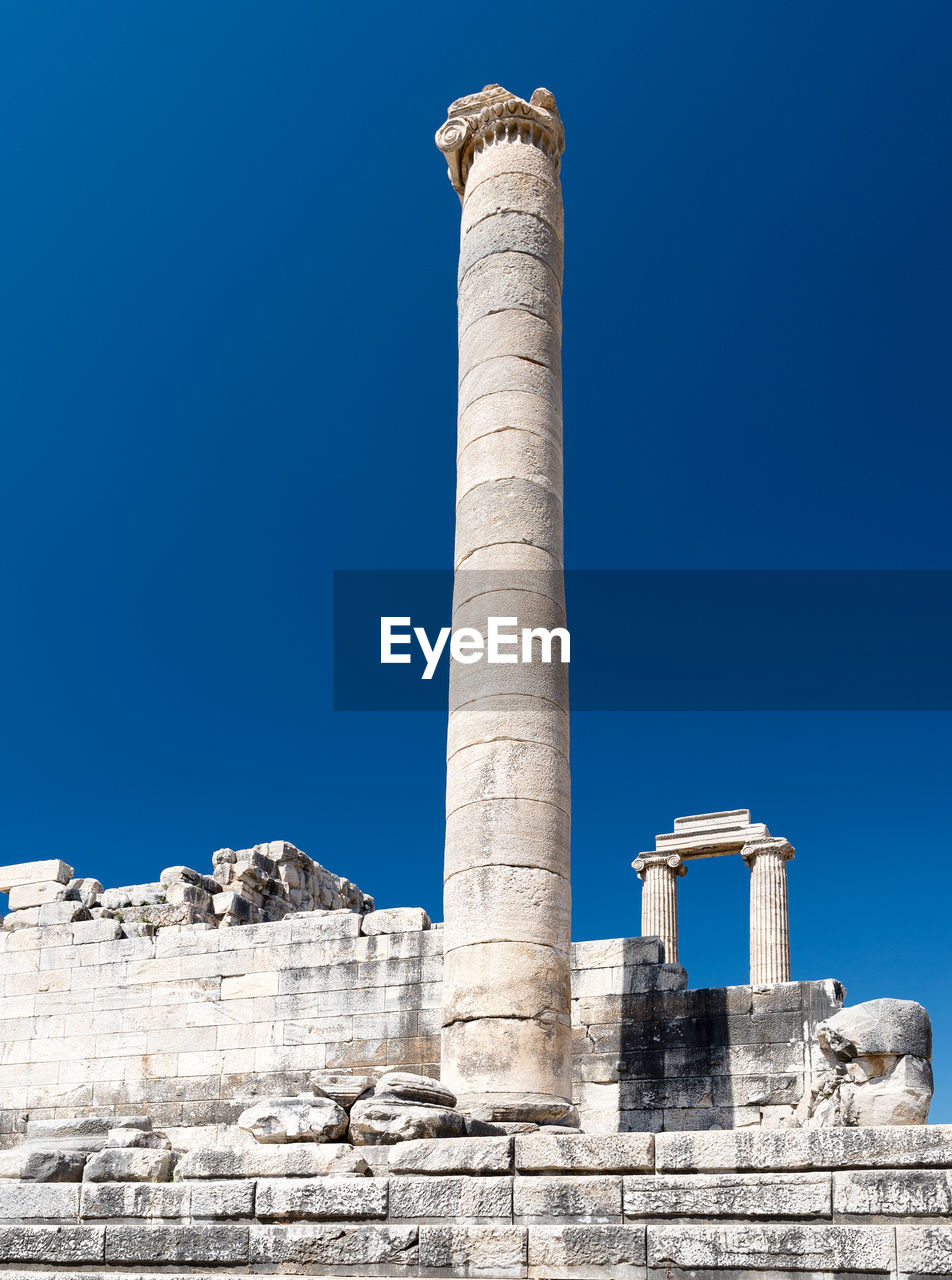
879 1069
402 1107
309 1117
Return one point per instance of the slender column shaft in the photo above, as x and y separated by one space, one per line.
769 917
659 899
507 975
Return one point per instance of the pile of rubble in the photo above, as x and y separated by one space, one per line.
248 886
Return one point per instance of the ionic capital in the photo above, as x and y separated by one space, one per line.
496 115
775 847
672 860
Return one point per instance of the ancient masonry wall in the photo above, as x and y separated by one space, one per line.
190 1023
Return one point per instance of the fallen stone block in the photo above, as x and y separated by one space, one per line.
345 1087
23 896
584 1199
87 890
133 895
183 894
877 1027
409 1087
765 1248
453 1155
378 1121
478 1199
313 1245
20 873
61 913
585 1153
587 1252
199 1243
294 1161
893 1193
395 920
740 1195
539 1108
86 931
306 1118
131 1164
28 1165
327 1199
53 1201
474 1250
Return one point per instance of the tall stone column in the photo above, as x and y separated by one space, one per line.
659 874
506 1048
769 918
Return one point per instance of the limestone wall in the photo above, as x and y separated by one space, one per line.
190 1023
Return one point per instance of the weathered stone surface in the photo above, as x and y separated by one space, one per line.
306 1118
583 1199
924 1251
225 1245
23 896
20 873
28 1165
906 1147
395 920
768 1248
60 1244
232 1199
542 1108
474 1251
585 1153
481 1198
869 1092
129 1164
38 1200
87 890
134 1200
345 1087
736 1195
893 1193
409 1087
333 1246
587 1252
449 1155
292 1161
378 1121
878 1027
290 1199
61 913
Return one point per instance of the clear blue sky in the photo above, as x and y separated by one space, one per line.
229 368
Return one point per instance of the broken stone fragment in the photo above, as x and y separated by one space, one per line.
88 891
543 1109
343 1086
877 1027
383 1120
395 920
408 1087
129 1165
308 1117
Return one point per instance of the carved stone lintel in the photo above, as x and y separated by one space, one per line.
496 115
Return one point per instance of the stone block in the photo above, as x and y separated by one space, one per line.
585 1153
23 896
20 873
129 1164
134 1200
395 920
453 1155
299 1160
473 1251
306 1118
232 1199
87 932
584 1199
587 1252
26 1165
875 1028
375 1249
19 1201
906 1147
478 1198
72 1246
913 1193
765 1195
61 913
292 1199
200 1243
763 1247
924 1251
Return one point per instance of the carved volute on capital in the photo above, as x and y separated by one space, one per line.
496 115
775 845
672 860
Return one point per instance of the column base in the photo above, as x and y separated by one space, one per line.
507 1108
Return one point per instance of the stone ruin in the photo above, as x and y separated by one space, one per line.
254 1071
